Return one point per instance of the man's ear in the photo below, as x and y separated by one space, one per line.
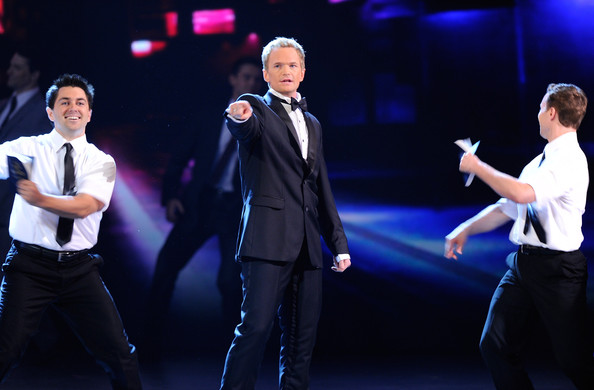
552 113
50 113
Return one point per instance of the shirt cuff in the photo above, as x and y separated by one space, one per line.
236 120
342 256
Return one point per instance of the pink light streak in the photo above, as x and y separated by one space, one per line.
221 21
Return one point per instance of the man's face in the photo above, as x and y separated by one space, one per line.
283 71
71 112
19 74
247 80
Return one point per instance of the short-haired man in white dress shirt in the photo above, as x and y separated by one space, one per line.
54 230
547 276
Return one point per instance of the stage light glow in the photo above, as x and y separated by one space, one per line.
220 21
145 48
2 31
253 39
375 10
171 24
132 200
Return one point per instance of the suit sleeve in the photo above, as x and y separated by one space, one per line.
331 227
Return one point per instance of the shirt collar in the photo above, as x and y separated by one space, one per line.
569 138
283 97
57 141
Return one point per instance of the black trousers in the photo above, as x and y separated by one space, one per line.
219 215
549 287
75 288
294 292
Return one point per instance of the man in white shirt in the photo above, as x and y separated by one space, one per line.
54 223
548 274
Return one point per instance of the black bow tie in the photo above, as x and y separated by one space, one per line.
297 104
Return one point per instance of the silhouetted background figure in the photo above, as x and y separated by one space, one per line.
208 205
287 205
55 224
547 275
21 114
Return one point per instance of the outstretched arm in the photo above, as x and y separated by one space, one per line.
240 110
503 184
489 219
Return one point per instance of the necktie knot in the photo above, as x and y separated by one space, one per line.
298 104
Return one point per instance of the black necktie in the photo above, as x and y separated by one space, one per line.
532 218
297 104
64 232
13 103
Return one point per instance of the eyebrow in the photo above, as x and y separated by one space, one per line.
77 99
281 62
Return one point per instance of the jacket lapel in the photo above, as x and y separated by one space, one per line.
313 139
275 104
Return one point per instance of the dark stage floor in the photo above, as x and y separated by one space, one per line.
337 373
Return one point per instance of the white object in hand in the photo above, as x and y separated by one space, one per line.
468 147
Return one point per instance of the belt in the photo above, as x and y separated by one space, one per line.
49 254
538 250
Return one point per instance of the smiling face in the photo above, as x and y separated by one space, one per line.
71 112
284 71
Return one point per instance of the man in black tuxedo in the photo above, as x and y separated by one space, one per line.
287 205
21 114
208 205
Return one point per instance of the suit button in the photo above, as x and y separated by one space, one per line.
307 209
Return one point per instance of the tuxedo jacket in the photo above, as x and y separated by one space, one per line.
286 199
199 141
30 119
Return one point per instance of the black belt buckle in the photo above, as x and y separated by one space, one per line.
63 257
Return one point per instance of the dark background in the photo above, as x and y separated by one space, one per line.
394 83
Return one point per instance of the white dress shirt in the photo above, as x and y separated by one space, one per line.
560 185
95 174
298 120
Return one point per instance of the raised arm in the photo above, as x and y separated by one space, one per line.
503 184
